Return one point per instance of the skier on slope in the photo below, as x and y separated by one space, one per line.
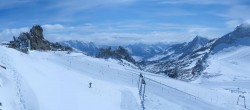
90 84
141 75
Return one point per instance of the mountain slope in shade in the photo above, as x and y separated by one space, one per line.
181 50
240 36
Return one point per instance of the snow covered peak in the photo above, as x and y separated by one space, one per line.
200 40
245 25
243 29
198 36
239 37
197 42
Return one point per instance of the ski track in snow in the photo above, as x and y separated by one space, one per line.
16 79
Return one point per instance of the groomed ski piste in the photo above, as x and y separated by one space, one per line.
55 80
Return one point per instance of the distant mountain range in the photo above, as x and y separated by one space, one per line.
88 48
184 61
138 51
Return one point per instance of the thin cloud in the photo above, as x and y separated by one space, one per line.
236 15
74 6
238 12
124 38
233 23
54 27
120 34
127 21
203 2
7 34
6 4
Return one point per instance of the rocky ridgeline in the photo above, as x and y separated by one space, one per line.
34 40
119 53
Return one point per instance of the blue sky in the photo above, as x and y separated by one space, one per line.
123 21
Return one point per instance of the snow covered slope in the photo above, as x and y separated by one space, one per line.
231 64
230 56
228 72
60 81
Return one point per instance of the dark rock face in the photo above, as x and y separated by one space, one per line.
37 40
105 53
122 53
22 43
119 53
34 40
37 31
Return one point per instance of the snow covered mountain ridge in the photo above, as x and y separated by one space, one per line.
190 62
188 59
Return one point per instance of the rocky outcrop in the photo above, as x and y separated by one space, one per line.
35 40
119 53
37 31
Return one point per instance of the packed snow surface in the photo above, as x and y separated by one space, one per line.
60 81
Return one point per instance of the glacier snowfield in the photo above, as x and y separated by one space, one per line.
60 81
